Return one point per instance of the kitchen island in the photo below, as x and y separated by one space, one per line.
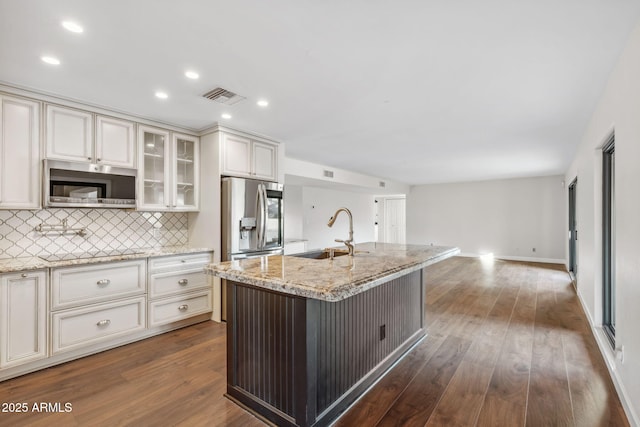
306 337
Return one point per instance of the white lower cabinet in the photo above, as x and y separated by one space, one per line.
74 286
178 288
85 326
97 302
23 317
180 307
93 307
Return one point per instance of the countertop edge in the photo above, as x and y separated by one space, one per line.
12 265
340 293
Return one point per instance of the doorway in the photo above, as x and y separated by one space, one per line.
391 219
573 230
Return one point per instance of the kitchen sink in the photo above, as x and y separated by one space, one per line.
323 254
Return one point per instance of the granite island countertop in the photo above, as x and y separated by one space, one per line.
67 259
332 280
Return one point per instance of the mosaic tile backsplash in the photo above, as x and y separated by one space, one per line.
106 230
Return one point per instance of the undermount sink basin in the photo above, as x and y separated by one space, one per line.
323 254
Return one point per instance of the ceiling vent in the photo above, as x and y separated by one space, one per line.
223 96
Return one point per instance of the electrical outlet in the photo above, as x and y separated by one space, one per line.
383 332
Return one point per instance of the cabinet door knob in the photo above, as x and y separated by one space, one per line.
183 282
104 322
98 160
24 275
88 158
183 307
103 282
183 261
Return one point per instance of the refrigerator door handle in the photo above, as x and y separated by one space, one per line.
260 215
263 242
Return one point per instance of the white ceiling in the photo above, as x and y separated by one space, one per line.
415 91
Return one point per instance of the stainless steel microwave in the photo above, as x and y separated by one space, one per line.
88 185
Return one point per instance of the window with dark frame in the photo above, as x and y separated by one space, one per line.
608 241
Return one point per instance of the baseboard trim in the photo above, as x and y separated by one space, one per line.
609 360
518 258
532 259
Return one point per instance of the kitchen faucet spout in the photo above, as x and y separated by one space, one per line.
349 242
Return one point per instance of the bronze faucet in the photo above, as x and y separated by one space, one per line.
349 242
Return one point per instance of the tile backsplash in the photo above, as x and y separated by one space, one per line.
106 230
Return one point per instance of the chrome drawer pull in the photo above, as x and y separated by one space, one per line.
104 322
183 307
183 282
183 261
103 282
24 275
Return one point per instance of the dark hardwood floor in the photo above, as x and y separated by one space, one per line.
508 345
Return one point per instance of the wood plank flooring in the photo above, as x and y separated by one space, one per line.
508 345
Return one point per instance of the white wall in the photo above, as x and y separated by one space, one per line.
619 110
505 217
293 212
319 204
313 171
204 226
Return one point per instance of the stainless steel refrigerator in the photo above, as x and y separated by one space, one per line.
252 221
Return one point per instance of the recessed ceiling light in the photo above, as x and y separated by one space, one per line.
263 103
72 26
51 60
192 75
226 115
162 95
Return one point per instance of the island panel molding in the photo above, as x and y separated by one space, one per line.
302 361
306 337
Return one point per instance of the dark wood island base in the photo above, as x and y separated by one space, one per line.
299 361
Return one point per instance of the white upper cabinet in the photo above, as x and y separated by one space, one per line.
264 161
168 170
245 157
70 136
236 155
185 172
19 153
115 142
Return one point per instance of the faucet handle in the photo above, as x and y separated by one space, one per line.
339 241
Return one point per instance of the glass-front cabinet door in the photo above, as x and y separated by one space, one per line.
168 171
154 171
185 188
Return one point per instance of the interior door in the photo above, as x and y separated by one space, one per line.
395 220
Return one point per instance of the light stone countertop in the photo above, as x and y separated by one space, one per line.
64 260
332 280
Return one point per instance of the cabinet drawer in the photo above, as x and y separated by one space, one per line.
73 286
81 327
177 308
174 262
170 283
